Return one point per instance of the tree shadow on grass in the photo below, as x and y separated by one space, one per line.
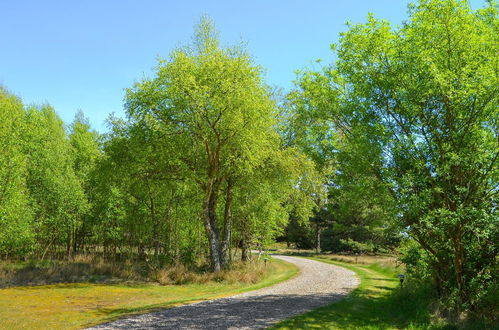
382 279
300 254
382 287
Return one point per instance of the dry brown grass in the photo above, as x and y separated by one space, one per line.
248 273
95 269
83 268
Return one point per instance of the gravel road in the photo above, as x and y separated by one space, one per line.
317 284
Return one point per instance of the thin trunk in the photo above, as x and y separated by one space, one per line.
209 215
227 224
458 265
81 236
47 248
318 239
68 241
210 206
234 253
245 238
244 251
154 228
75 240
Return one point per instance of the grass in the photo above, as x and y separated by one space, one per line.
82 268
77 305
383 261
90 268
377 303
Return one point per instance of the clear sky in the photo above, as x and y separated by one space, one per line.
82 54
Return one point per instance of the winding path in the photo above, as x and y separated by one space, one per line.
317 284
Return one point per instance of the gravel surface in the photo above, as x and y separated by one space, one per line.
317 284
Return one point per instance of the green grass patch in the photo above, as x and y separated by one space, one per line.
77 305
377 303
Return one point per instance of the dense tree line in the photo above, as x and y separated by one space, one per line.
197 168
392 146
44 176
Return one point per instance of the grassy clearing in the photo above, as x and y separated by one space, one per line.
378 303
80 305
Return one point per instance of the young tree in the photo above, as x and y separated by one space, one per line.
85 153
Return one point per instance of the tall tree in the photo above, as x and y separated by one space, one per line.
422 102
212 102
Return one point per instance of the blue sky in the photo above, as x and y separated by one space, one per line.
82 54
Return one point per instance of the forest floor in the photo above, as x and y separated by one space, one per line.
77 305
318 284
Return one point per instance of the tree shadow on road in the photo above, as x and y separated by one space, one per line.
239 312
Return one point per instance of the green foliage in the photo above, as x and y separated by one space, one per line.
16 234
42 197
320 123
213 121
413 113
396 140
84 156
85 147
57 198
197 168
